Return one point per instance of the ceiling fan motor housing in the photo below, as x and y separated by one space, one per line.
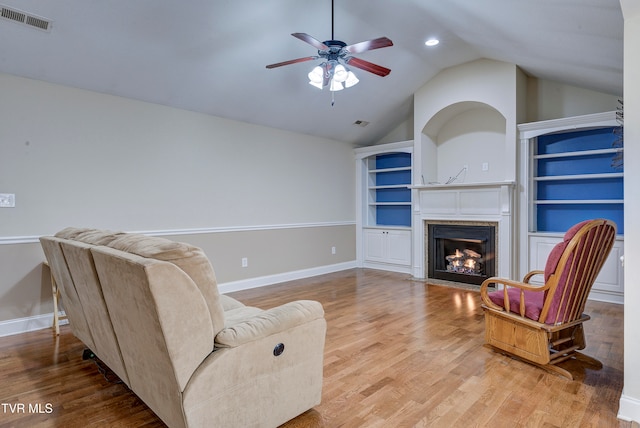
335 50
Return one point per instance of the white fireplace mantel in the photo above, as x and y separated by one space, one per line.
466 202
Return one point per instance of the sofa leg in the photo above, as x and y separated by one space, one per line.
88 354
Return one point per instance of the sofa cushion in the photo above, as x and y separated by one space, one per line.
88 236
71 232
189 258
97 237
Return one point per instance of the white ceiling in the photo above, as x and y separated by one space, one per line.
210 56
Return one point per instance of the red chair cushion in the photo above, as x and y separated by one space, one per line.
556 252
533 301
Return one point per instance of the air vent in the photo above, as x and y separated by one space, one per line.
25 18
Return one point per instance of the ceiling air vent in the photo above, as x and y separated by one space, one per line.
25 18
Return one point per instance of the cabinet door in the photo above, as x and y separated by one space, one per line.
611 276
399 244
374 245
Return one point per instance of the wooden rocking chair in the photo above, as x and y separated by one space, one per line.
543 324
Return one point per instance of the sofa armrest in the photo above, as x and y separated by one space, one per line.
269 322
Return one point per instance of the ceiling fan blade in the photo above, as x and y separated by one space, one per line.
380 42
368 66
313 42
292 61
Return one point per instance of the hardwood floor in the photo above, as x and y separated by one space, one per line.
399 353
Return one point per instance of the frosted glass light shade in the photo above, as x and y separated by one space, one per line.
336 86
316 75
340 73
351 80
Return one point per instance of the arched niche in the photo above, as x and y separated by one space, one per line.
465 142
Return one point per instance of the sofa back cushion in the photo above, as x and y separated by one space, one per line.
61 275
162 323
83 271
192 260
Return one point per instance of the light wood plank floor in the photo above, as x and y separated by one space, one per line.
399 353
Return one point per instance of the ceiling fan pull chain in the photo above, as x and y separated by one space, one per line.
333 98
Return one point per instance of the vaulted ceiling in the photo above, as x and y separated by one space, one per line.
210 56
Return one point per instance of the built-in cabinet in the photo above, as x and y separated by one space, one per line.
384 206
572 173
388 246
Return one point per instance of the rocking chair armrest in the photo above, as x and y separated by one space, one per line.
484 291
531 274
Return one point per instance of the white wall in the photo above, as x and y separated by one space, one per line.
630 400
80 158
402 132
472 138
74 157
552 100
493 84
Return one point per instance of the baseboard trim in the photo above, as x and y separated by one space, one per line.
603 296
24 325
245 284
629 409
388 267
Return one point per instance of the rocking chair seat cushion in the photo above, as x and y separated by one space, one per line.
533 301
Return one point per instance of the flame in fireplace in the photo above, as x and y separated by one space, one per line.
466 262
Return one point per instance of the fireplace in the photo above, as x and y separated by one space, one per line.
461 252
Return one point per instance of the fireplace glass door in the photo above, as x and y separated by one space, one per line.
461 253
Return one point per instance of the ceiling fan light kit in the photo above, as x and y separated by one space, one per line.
334 71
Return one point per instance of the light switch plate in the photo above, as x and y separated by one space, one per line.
7 200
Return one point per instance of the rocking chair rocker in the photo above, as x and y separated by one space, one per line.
543 324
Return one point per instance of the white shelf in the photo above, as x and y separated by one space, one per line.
401 168
391 186
578 153
388 203
578 201
579 176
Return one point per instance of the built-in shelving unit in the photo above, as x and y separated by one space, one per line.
384 206
574 179
389 193
570 175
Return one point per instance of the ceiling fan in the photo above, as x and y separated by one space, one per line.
337 55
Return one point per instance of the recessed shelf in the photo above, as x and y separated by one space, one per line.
392 186
579 176
578 153
579 201
389 203
383 170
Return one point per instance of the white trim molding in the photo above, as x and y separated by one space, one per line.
262 281
24 325
12 240
629 409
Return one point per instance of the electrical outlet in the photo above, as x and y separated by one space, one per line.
485 166
333 250
7 200
245 262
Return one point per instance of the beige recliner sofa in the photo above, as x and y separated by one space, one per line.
150 309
